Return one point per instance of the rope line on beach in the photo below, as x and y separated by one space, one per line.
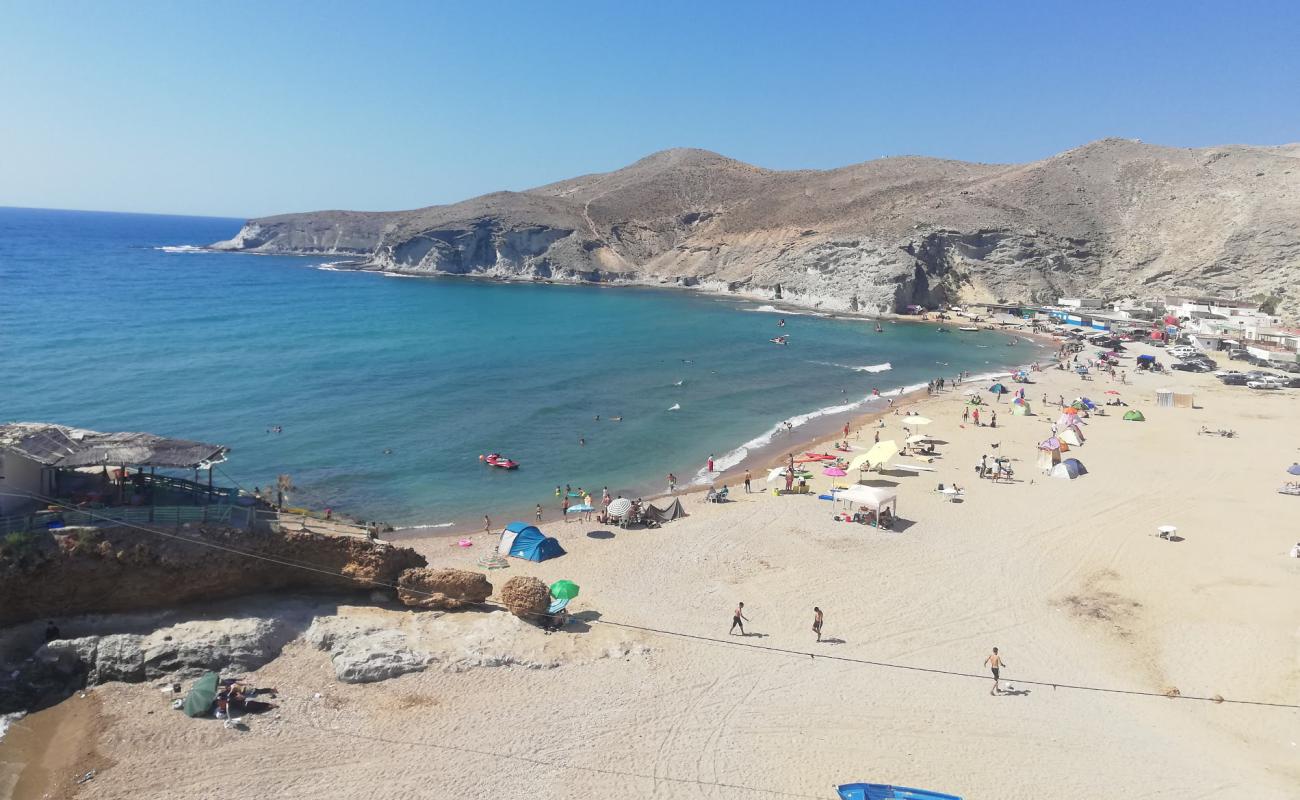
545 763
676 634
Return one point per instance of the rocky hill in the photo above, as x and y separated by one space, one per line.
1112 218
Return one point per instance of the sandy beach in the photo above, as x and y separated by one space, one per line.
647 695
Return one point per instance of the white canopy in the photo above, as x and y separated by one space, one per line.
873 497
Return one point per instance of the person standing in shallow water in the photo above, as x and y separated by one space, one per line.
995 663
710 462
817 622
738 619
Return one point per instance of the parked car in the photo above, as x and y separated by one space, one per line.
1290 366
1205 360
1183 351
1293 382
1191 366
1267 383
1234 379
1238 353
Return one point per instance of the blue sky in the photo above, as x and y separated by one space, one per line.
244 109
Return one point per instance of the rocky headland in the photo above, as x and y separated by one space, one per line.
1113 218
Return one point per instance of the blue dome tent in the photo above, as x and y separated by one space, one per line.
522 540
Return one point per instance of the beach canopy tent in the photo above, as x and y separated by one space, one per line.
873 497
882 791
1071 436
522 540
1069 468
1134 416
877 456
672 512
198 703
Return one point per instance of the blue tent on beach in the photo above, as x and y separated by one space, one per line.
881 791
522 540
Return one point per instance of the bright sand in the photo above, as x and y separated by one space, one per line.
1066 577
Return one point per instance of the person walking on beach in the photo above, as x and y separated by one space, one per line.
993 421
965 414
976 417
539 512
738 620
995 663
710 462
877 436
846 430
487 523
672 483
747 487
817 622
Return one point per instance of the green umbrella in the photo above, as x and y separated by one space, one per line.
198 703
564 590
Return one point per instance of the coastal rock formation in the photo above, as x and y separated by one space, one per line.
444 589
184 650
526 597
123 569
377 656
1112 218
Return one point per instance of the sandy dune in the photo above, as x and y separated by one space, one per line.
1065 576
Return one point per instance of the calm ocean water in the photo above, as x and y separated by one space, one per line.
107 321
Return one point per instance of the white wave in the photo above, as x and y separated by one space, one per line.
182 248
8 719
397 275
424 527
785 312
885 367
331 266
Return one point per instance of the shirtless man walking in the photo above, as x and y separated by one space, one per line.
995 663
738 619
817 622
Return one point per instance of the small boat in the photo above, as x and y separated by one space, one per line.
675 407
969 329
499 461
780 340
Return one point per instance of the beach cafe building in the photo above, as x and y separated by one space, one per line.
53 475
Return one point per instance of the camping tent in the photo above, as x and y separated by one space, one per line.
877 456
522 540
672 512
1134 416
882 791
873 497
1069 468
1070 436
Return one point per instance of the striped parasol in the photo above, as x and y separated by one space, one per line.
620 506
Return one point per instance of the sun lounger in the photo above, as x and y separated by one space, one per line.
1291 489
914 467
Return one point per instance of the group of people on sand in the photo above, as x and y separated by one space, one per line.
994 662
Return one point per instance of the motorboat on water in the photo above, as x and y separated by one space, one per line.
780 340
969 329
499 461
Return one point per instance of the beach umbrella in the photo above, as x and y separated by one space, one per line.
918 438
915 419
493 560
1294 469
834 472
620 506
199 701
1069 410
1111 391
564 590
578 509
878 455
998 388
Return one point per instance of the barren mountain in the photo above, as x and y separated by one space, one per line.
1112 218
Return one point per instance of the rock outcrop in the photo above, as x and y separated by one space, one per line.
1115 218
377 656
526 597
443 589
184 650
123 569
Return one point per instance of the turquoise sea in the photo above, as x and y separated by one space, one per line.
387 390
